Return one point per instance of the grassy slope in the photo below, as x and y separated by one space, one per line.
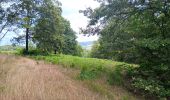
25 79
102 76
99 75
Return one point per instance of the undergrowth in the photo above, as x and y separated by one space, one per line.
91 68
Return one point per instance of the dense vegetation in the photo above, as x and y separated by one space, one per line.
135 31
87 65
42 23
94 70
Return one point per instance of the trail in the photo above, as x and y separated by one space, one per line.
25 79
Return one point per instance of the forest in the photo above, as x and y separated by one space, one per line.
132 52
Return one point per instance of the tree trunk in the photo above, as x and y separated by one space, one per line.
55 51
27 31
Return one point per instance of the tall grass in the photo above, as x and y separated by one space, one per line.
91 68
93 71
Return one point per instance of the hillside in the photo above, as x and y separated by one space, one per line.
87 45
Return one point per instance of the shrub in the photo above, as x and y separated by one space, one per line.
154 83
91 73
31 52
118 75
151 87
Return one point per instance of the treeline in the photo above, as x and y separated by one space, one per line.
42 23
9 48
135 31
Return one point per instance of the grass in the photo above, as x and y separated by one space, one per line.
97 74
105 77
5 66
8 52
91 68
25 79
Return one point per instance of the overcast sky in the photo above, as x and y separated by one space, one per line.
70 12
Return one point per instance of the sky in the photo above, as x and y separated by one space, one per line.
70 10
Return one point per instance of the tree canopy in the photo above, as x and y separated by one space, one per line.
135 31
42 22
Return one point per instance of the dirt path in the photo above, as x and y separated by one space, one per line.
25 79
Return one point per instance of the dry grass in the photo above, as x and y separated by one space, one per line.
101 86
25 79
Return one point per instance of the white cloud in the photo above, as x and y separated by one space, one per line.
71 12
82 38
79 4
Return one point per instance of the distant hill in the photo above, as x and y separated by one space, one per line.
87 45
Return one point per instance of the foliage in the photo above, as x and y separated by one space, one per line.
95 50
54 33
42 22
27 13
70 46
48 30
25 16
86 53
151 86
116 45
133 30
6 18
31 52
91 68
78 51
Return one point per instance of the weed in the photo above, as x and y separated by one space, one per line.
2 88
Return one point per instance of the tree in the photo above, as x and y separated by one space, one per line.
55 35
109 21
153 46
6 18
115 45
70 45
95 51
49 30
146 22
27 13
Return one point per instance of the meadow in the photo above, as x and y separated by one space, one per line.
106 77
91 68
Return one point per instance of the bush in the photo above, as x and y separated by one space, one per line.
119 74
91 73
151 87
31 52
153 83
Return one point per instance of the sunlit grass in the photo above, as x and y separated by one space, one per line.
91 68
97 74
